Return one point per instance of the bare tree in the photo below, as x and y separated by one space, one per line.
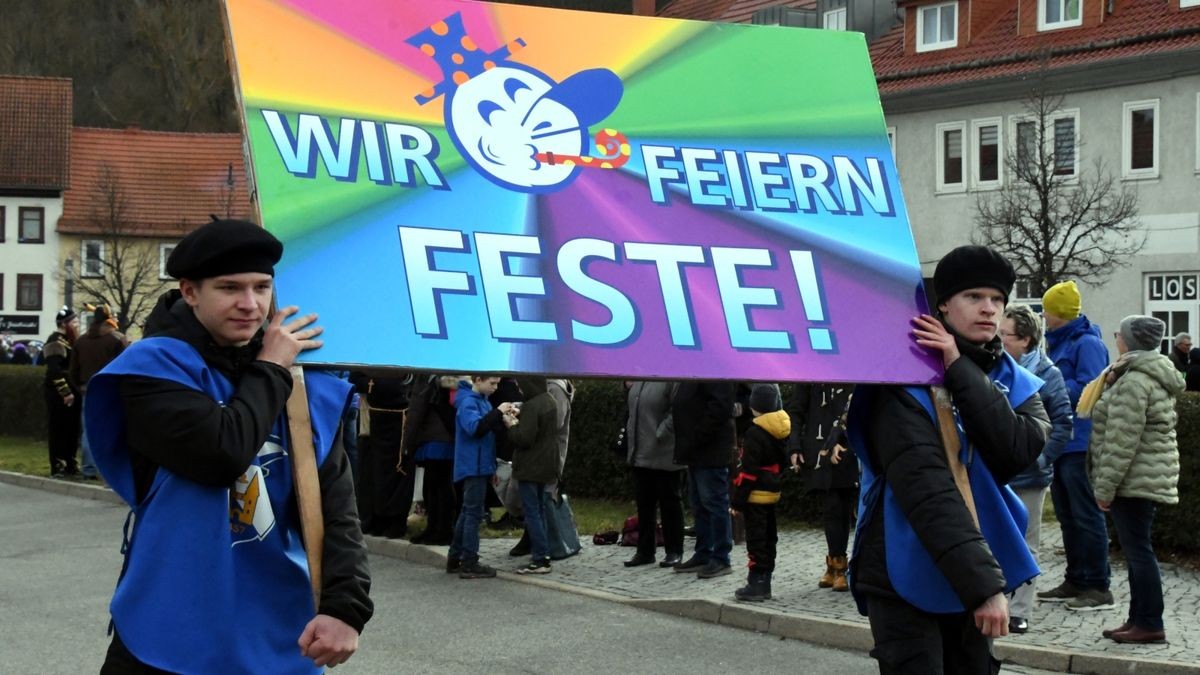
183 56
125 275
158 64
1053 220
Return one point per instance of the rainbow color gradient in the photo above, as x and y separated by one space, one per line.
686 83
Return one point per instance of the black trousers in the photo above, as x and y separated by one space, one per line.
837 513
364 488
657 490
63 433
909 641
762 536
119 661
393 474
438 492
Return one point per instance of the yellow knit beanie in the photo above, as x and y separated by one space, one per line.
1062 300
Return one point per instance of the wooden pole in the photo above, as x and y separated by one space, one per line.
305 482
951 443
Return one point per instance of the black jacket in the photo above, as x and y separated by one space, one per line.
535 440
906 448
57 356
815 410
761 461
187 432
705 435
430 415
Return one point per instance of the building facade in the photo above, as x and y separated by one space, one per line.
1124 77
133 195
35 128
955 79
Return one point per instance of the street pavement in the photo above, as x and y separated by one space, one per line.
60 558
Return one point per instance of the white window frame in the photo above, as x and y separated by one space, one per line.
1127 110
1020 294
83 259
164 252
891 135
976 127
839 19
939 146
1051 118
942 44
1063 23
1183 4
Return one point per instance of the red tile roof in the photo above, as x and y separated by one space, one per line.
171 182
1135 28
35 132
704 10
733 11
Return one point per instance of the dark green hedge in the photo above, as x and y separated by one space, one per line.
22 405
1177 528
593 470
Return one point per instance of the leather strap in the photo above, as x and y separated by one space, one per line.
950 442
305 480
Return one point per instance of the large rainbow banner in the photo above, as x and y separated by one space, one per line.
474 187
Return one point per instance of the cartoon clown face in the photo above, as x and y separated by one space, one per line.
504 119
512 123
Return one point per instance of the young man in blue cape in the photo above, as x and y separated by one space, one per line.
934 557
188 426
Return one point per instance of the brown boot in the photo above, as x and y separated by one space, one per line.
827 578
839 573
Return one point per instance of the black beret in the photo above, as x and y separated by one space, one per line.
972 267
224 247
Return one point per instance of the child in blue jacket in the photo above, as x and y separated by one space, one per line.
474 464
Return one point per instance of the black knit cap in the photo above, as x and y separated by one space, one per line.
224 247
764 398
972 267
64 315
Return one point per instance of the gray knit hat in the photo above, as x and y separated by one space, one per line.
764 398
1142 332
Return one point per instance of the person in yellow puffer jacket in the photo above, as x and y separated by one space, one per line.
757 486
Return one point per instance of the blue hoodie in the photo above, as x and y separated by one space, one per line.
1079 352
474 442
1058 407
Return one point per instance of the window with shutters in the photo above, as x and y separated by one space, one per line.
951 160
988 163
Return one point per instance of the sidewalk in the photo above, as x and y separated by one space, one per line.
1058 640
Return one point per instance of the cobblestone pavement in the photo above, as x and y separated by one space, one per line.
801 561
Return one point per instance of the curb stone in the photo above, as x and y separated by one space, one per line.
819 630
96 491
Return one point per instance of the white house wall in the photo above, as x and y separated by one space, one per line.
30 258
1169 205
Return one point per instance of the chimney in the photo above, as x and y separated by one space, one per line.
643 7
